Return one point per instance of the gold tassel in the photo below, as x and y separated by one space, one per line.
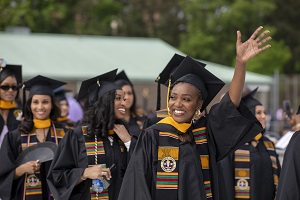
168 96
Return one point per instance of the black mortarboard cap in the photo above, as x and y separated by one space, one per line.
60 94
163 77
43 152
16 69
175 61
122 76
42 85
250 101
100 84
193 72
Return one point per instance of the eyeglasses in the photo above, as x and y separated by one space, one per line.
7 87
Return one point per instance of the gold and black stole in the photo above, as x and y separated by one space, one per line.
168 155
242 167
32 183
95 147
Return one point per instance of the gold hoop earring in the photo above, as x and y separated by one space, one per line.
197 114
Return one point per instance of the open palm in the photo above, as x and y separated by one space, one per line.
253 46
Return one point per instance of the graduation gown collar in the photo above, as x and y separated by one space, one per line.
182 127
7 104
38 123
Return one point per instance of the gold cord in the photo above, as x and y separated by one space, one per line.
96 159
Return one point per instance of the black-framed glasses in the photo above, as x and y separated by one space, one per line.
7 87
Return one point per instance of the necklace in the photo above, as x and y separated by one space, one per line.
41 137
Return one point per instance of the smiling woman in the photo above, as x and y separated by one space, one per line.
100 142
176 158
29 179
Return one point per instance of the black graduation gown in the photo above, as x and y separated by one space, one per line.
9 152
226 131
12 121
134 125
71 160
289 180
261 174
65 124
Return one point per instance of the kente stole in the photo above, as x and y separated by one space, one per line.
242 168
168 154
90 150
32 184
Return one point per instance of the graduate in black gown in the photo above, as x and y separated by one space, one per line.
176 158
134 120
99 142
10 111
28 180
252 171
61 98
289 181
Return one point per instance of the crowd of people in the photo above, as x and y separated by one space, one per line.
184 152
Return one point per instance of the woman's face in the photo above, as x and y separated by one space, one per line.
41 106
128 96
8 90
119 105
183 102
261 115
64 108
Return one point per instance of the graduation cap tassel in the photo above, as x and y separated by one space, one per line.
24 99
158 97
168 95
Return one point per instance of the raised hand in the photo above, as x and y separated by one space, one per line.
253 46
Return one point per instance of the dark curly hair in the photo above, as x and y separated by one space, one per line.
100 116
7 73
27 124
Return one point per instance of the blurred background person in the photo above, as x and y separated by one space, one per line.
289 187
133 119
75 110
252 171
10 110
63 120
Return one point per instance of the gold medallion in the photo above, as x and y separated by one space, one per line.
17 113
32 180
168 164
242 184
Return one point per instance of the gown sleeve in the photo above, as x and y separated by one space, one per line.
289 181
67 167
137 179
230 127
10 150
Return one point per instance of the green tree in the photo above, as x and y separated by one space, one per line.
148 18
286 18
56 16
212 27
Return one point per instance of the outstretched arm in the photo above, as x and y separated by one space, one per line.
244 52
